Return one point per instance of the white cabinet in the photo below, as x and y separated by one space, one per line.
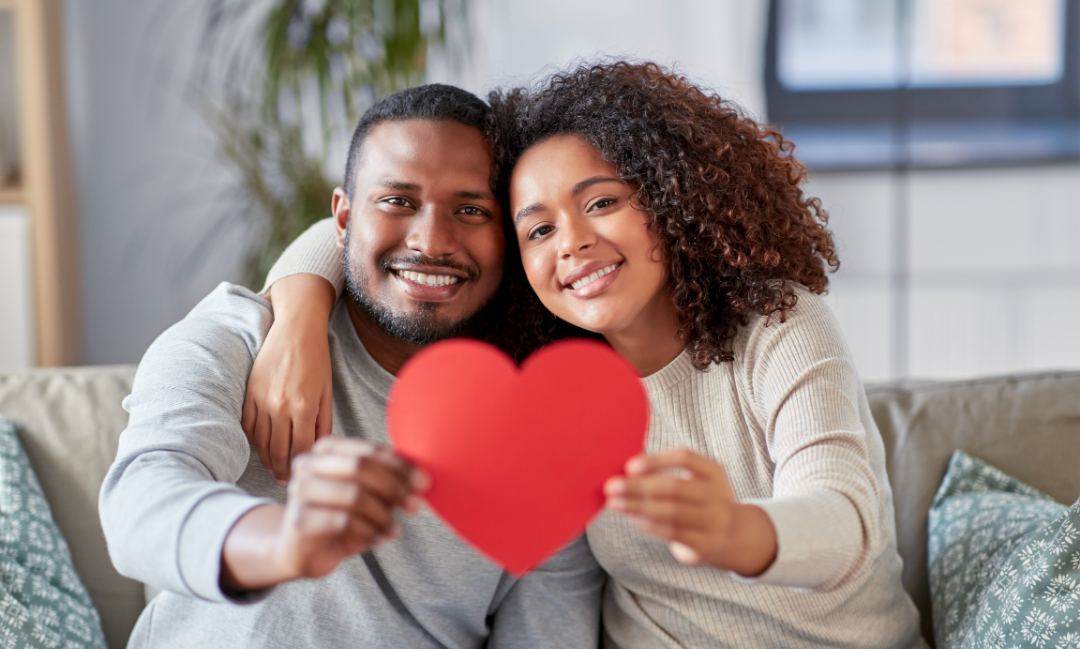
16 290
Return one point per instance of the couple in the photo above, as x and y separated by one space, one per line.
613 200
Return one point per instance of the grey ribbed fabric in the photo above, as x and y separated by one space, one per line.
789 421
184 474
316 252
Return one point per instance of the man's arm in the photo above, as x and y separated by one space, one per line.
556 605
172 514
170 498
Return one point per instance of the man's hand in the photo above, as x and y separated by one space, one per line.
340 502
695 511
288 404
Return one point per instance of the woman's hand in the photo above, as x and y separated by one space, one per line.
694 510
289 400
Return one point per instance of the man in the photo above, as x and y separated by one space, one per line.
188 507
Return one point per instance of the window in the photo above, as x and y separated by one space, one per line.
882 83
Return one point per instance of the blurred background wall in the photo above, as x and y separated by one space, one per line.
946 271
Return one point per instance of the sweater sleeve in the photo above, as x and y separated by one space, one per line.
825 503
316 252
170 497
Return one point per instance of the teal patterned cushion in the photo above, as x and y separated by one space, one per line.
43 605
1004 562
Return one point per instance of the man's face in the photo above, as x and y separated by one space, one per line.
423 237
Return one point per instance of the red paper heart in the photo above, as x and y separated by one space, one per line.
517 457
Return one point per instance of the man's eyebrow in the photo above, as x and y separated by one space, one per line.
398 185
589 182
527 210
475 196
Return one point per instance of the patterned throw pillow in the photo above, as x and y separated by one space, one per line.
1004 562
43 605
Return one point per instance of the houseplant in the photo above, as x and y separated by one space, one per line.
287 96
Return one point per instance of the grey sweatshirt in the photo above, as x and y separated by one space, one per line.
185 473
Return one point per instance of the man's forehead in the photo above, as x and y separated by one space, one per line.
404 140
419 153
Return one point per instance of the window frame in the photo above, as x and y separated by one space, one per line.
1056 101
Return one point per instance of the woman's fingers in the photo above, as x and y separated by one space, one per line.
304 419
657 487
249 417
678 459
667 512
324 421
261 440
281 447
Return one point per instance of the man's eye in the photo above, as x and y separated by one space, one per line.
397 200
541 231
472 210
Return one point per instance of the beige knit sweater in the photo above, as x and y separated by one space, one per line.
789 421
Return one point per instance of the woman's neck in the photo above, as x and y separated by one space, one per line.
651 341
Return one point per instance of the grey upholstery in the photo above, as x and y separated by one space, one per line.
1028 426
70 419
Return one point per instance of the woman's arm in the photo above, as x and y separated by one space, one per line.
288 403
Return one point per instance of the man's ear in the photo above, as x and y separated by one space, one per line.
341 209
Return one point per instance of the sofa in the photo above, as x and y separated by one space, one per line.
69 421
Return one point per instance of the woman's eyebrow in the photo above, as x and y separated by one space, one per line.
589 182
527 210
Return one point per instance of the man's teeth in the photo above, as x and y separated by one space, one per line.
585 281
428 280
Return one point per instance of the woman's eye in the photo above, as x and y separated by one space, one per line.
472 210
541 231
602 203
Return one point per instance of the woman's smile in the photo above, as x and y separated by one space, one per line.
591 279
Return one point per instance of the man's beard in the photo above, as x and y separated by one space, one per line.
422 327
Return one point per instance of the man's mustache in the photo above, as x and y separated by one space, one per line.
420 260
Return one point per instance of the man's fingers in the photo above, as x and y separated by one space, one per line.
678 459
371 474
357 448
347 496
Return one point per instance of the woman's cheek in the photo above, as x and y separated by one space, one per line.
542 279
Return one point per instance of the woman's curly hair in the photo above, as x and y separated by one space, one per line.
722 190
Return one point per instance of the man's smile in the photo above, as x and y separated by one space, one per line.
428 283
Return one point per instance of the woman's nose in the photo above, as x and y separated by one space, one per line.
575 235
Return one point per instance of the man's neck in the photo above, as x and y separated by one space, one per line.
388 351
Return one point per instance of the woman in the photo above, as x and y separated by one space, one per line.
651 213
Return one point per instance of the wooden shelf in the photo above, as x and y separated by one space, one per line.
12 195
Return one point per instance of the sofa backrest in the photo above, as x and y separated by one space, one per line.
69 421
1026 425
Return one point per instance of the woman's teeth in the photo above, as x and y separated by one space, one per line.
585 281
428 280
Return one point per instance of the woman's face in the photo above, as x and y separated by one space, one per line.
587 251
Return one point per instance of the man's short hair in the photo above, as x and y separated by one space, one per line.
434 101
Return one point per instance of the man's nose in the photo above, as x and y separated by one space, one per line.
574 235
433 235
